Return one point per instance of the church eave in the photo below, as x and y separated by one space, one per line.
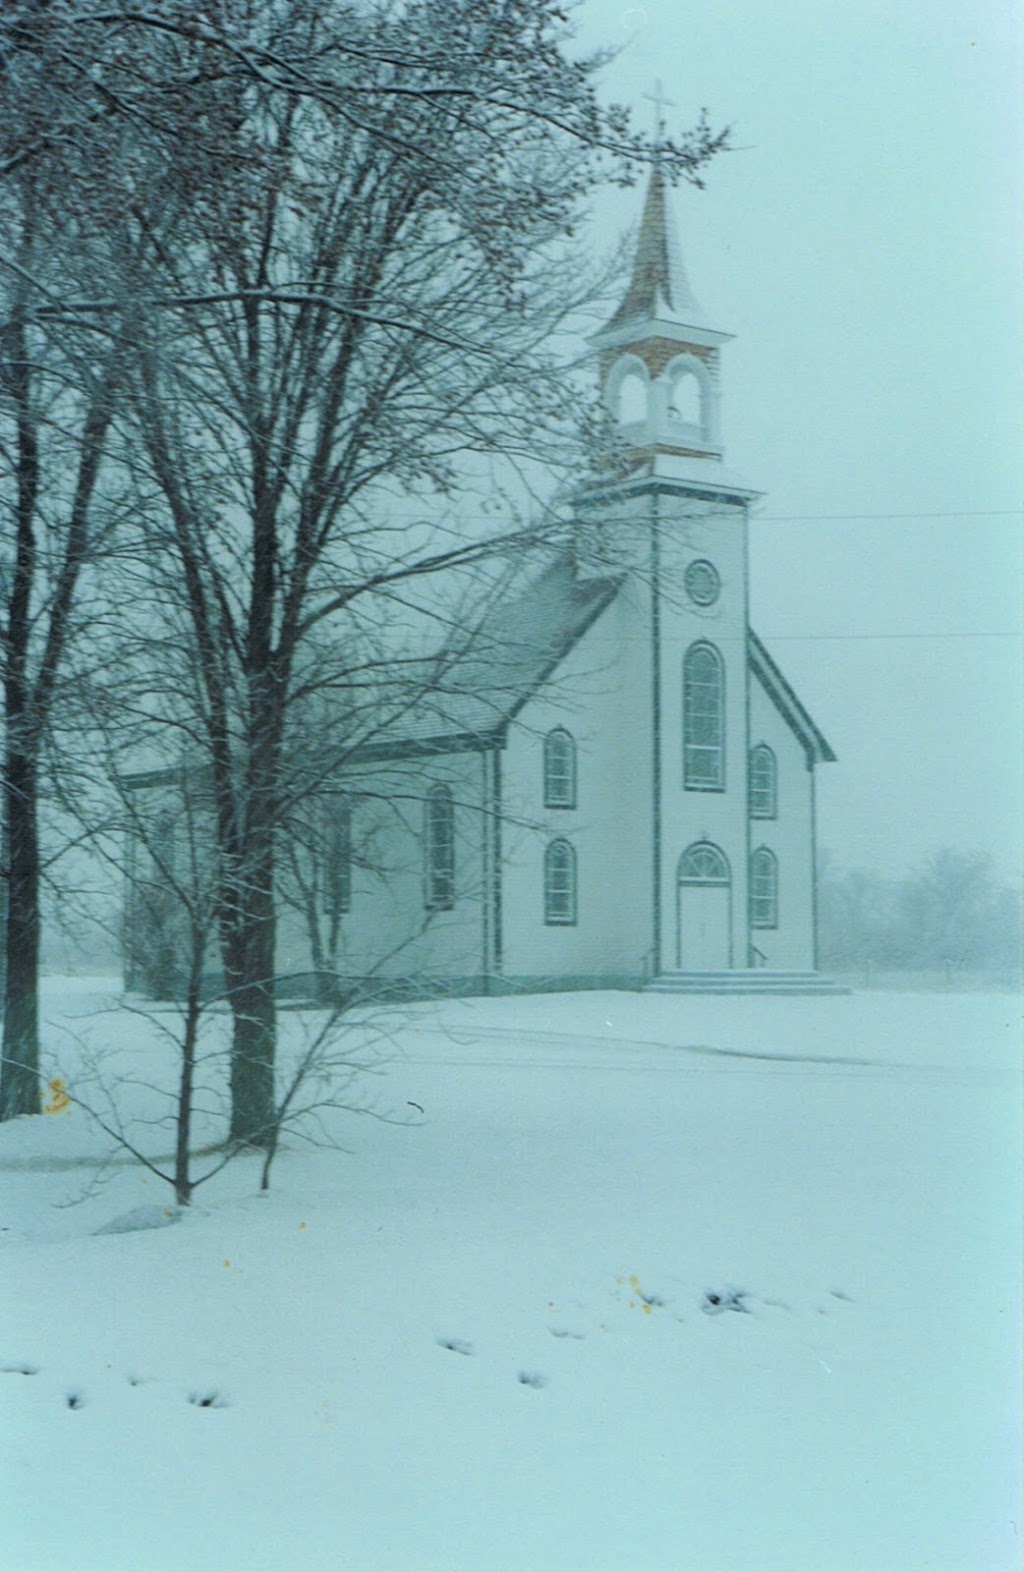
665 486
786 702
638 329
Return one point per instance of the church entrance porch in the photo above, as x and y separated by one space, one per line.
704 910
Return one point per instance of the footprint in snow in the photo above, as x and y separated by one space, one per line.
716 1301
455 1345
19 1369
532 1378
567 1331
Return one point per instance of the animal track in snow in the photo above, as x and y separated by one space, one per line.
567 1331
716 1301
456 1345
532 1378
19 1369
207 1399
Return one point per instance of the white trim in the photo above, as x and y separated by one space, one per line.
627 366
656 327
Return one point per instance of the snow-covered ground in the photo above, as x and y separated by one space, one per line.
693 1285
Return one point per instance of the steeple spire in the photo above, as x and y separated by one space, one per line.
658 288
659 365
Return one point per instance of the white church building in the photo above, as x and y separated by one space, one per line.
614 786
618 791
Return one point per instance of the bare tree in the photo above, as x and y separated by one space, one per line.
56 412
369 290
336 240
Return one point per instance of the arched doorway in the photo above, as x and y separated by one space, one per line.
704 928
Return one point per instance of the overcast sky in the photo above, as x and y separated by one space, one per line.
864 244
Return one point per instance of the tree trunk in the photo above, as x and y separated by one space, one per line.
20 1091
251 981
182 1166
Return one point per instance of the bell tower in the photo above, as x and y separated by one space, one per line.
678 518
659 355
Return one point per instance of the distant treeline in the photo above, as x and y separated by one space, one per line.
954 917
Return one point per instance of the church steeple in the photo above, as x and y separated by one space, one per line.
659 288
659 351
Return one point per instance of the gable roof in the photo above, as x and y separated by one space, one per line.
466 694
469 691
786 701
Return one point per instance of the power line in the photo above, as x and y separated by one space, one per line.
829 638
824 518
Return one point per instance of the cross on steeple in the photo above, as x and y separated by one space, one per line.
660 102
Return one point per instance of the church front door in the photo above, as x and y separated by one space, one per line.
705 910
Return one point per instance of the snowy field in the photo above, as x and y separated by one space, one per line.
689 1285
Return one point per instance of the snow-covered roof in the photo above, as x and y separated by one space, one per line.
469 691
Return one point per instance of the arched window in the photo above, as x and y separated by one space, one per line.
685 399
689 393
703 863
559 769
632 399
763 783
764 889
439 849
703 719
559 884
627 391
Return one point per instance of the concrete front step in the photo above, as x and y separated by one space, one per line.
758 979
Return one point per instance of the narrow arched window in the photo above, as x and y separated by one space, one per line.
703 719
763 783
686 399
764 889
337 853
631 399
559 884
559 769
439 849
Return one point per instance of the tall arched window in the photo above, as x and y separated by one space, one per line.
764 889
632 399
439 849
703 719
559 769
627 390
559 884
685 402
690 393
763 783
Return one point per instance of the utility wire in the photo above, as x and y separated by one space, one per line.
815 638
824 518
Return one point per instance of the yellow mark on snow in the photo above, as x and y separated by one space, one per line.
59 1101
227 1263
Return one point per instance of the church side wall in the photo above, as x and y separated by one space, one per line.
789 837
389 932
600 694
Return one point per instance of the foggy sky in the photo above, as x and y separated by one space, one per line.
864 244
